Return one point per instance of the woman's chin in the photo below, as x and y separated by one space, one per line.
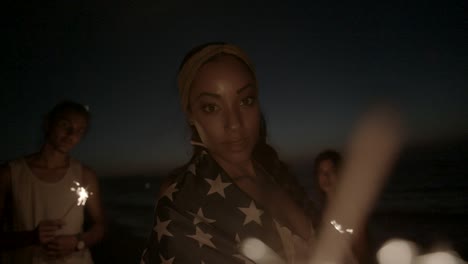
238 157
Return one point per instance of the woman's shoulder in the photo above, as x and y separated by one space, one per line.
177 178
181 172
178 171
190 169
170 179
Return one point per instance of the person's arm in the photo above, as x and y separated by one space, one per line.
94 209
42 234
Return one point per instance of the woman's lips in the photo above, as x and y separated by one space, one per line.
236 145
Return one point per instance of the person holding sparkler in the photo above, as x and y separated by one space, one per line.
43 196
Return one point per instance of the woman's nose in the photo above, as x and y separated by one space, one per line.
233 120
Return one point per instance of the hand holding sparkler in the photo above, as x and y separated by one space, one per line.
45 230
82 194
373 148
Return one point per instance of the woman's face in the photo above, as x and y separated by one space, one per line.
224 109
327 173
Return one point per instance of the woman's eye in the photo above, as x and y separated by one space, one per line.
209 108
248 101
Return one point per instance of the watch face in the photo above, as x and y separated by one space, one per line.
80 245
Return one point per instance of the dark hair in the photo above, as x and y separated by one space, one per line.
268 158
335 157
328 154
53 115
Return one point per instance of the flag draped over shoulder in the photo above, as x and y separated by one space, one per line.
203 216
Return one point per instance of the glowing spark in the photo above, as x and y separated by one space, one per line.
81 192
340 229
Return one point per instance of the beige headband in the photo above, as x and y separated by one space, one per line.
190 68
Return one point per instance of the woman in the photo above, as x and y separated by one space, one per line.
234 186
327 166
35 196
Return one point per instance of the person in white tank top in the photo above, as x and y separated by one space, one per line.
35 197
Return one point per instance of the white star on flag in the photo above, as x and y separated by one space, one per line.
202 238
169 191
251 213
217 186
200 217
161 228
166 261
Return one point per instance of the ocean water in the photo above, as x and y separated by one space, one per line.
425 200
129 201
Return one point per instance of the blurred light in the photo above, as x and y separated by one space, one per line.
396 251
254 249
438 258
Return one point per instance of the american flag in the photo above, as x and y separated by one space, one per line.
202 217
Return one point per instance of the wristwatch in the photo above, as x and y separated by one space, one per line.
80 245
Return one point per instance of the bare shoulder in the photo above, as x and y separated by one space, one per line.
88 171
175 176
89 176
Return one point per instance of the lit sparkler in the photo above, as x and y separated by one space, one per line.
82 194
340 228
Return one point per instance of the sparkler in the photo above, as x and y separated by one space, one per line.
82 194
340 228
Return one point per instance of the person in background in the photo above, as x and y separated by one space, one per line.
35 196
327 168
234 187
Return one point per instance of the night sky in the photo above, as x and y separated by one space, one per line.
319 65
